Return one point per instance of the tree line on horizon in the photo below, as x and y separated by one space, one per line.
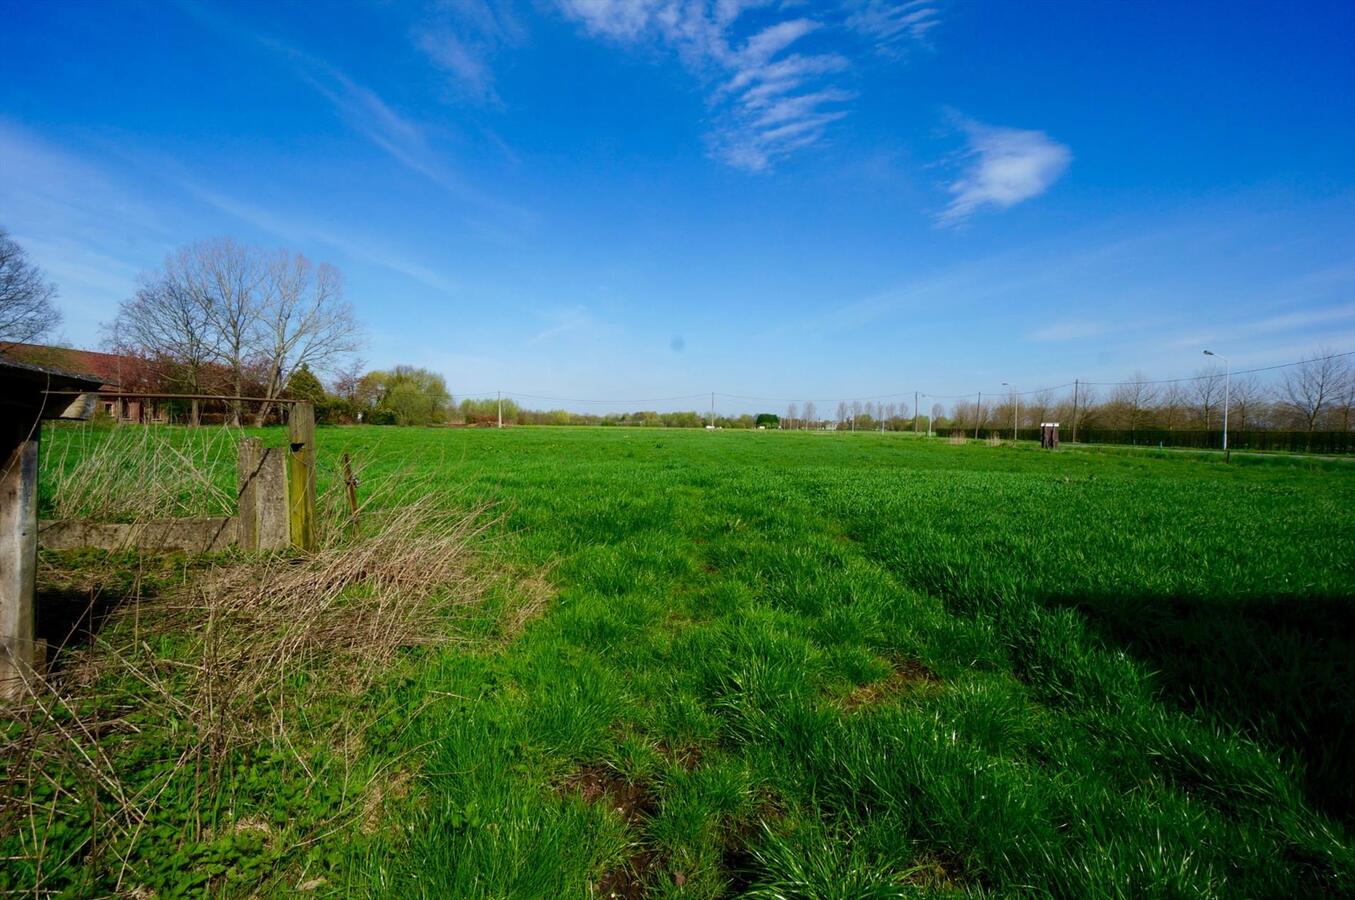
223 318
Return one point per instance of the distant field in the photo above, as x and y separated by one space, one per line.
836 665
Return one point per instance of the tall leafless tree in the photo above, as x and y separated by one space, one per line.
348 376
165 322
1315 385
26 309
1206 390
1038 406
1132 402
257 315
1245 401
792 413
1172 405
303 320
810 413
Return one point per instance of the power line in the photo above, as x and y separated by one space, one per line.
1208 375
926 394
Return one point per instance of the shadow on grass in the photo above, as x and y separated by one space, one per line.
1278 668
78 591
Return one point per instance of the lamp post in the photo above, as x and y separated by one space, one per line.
1016 409
1227 385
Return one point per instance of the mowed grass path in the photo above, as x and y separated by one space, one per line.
862 665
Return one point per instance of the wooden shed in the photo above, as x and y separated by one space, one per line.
26 399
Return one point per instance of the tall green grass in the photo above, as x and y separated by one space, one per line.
805 665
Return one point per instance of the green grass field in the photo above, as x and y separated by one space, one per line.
833 665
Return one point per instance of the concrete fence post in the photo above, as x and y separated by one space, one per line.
263 514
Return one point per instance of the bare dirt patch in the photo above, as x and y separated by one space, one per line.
938 870
688 756
634 802
905 675
601 784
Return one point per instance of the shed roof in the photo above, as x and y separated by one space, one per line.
26 385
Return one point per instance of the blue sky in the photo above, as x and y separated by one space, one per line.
633 199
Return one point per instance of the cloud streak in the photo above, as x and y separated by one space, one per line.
772 97
462 38
893 25
1005 167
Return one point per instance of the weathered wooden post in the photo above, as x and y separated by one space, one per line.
351 487
263 511
24 403
301 475
18 552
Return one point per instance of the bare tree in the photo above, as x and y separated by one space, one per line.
1314 385
1039 405
166 321
26 309
810 413
1206 389
1079 410
233 280
1132 402
792 413
258 316
303 320
348 377
841 412
1246 398
1172 405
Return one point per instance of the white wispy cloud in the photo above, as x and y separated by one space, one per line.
366 112
770 98
1005 167
363 247
462 37
565 321
1322 322
88 231
892 24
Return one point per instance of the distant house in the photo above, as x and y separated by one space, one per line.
118 372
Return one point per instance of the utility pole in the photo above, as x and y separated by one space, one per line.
500 396
1227 384
978 416
1075 385
1016 409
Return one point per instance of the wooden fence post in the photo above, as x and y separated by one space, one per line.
18 551
351 486
263 513
301 475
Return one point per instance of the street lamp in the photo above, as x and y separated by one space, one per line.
1227 384
1016 409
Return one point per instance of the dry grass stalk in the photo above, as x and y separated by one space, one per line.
137 472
